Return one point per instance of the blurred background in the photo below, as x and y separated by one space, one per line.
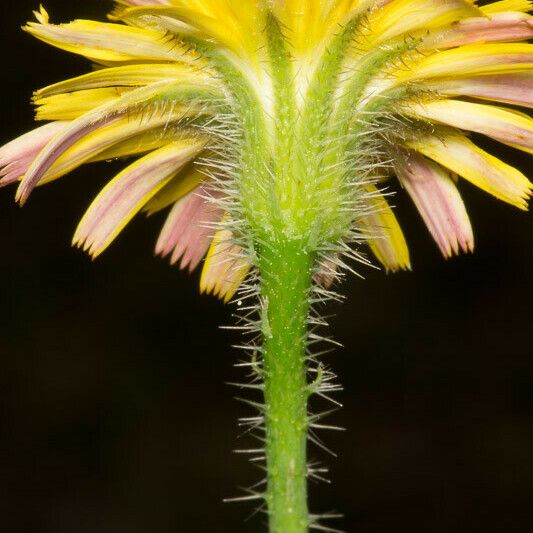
114 415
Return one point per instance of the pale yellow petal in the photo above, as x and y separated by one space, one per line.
385 236
502 124
69 106
141 142
507 5
129 76
473 59
182 184
238 27
145 108
225 267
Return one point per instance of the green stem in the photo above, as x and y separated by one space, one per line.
286 282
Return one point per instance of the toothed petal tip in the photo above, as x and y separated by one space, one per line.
436 197
225 267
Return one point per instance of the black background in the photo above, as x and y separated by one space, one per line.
114 413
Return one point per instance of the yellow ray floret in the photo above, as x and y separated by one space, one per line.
141 142
385 236
185 182
474 59
157 17
507 5
225 267
238 27
157 99
502 124
69 106
130 76
310 22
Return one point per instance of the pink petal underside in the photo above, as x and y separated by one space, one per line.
189 228
123 197
17 155
499 27
327 275
436 197
62 142
507 88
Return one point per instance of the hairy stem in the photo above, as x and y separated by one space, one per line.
286 283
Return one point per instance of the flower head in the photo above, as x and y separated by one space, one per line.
252 115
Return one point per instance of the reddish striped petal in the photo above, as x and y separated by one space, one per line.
95 121
17 155
508 26
189 228
327 274
437 199
59 145
514 88
126 194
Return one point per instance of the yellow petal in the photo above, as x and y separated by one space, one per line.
385 236
129 76
473 59
186 181
502 124
507 5
69 106
309 22
457 153
140 142
225 267
155 17
238 28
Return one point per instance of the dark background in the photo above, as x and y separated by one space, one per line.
114 413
